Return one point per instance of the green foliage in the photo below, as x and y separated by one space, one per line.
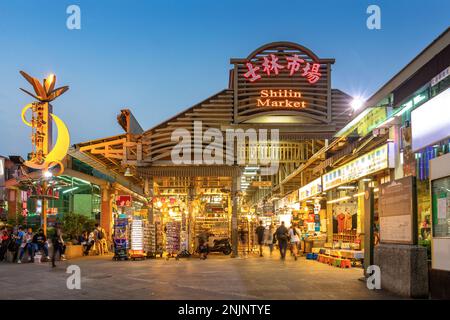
17 222
74 224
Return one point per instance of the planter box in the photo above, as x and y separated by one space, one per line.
74 251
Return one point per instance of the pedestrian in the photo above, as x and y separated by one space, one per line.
99 236
17 238
40 243
294 237
27 245
260 230
282 237
58 245
270 238
4 239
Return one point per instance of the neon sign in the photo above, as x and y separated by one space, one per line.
271 98
295 64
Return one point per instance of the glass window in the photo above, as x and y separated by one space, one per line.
441 207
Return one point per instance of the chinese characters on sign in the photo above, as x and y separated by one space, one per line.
295 64
366 164
311 189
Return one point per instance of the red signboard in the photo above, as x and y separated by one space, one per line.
123 201
294 64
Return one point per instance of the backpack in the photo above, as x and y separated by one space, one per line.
100 234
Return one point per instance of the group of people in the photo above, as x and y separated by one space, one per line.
97 238
19 241
285 237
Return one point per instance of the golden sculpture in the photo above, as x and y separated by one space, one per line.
43 156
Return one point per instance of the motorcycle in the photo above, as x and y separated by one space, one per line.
221 245
218 245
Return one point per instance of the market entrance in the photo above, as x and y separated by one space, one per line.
220 163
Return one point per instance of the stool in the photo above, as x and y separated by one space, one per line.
345 263
309 256
315 256
337 262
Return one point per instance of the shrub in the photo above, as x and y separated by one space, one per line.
74 224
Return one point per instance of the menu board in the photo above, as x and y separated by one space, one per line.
396 211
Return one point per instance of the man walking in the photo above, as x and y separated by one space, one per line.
260 231
58 245
282 238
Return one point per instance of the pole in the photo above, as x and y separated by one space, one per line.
368 226
44 208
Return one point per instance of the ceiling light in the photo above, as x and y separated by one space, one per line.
128 173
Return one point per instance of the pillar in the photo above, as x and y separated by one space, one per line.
106 219
12 204
367 202
234 216
329 208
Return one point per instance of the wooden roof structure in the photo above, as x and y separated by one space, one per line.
303 130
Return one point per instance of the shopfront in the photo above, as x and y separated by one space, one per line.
352 220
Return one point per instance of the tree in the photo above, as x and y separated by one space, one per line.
74 224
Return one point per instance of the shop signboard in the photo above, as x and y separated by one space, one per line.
311 189
2 178
282 78
261 184
396 211
369 163
441 76
428 125
123 201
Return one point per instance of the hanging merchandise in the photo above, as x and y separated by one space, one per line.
137 239
120 238
173 237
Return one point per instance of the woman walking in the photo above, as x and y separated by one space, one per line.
270 238
294 236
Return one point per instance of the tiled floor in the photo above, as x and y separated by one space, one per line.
218 277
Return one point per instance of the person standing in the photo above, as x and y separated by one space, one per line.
58 244
4 239
282 238
17 237
27 244
294 236
40 243
260 230
99 238
270 238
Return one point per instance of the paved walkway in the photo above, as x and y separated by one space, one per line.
218 277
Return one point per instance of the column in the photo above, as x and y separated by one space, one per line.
12 204
234 216
106 220
366 205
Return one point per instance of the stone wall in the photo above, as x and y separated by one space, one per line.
404 269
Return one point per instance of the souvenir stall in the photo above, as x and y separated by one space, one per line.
212 217
170 219
130 237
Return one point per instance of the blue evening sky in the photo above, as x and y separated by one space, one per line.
160 57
